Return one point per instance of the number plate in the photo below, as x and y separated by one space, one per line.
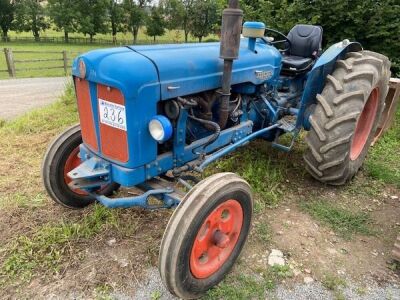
112 114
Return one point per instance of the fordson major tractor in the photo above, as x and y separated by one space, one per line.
153 116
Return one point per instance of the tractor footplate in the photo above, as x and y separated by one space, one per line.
287 123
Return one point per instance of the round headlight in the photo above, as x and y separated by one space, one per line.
160 128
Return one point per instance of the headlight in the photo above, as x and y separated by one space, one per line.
160 128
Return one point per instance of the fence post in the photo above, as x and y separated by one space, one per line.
10 62
65 59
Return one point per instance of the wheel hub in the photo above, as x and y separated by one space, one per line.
216 239
364 124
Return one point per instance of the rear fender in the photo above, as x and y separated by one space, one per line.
324 66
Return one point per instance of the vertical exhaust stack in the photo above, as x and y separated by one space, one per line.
230 41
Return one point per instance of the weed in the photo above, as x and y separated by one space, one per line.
281 272
263 232
102 292
239 287
383 161
45 248
332 282
339 219
155 295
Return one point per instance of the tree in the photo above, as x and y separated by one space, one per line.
92 17
135 15
116 13
63 14
155 25
30 16
178 14
6 17
203 18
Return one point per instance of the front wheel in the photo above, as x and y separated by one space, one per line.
61 157
346 117
205 235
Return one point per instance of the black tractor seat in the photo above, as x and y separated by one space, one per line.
294 63
305 47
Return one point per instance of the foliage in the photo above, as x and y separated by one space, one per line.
179 14
30 16
6 16
63 14
116 13
375 24
155 24
204 17
135 16
92 17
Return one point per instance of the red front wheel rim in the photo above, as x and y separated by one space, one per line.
216 239
71 163
364 124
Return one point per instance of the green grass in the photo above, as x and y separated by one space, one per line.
334 284
383 161
169 36
242 286
174 36
46 247
341 220
263 232
257 164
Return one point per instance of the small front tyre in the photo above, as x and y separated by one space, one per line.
61 157
205 235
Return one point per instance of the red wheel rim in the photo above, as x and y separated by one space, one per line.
216 239
364 124
72 162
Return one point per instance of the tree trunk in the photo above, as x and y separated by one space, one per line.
91 38
5 35
114 39
200 39
186 36
66 37
36 36
135 35
154 39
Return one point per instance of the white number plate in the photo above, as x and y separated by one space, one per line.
112 114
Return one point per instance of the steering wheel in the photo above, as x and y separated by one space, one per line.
284 40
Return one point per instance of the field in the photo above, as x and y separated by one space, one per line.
340 237
175 36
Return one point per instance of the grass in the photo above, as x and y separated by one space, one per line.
383 161
23 142
263 232
258 164
334 284
46 247
341 220
174 36
242 286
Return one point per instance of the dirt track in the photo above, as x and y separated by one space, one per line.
18 96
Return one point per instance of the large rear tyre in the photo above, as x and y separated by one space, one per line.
61 157
205 235
346 117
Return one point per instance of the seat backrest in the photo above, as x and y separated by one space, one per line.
306 40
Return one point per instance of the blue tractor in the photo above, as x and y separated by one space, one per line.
154 116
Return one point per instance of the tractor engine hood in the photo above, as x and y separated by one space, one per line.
181 69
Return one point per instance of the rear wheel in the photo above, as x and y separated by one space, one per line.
346 117
61 157
205 235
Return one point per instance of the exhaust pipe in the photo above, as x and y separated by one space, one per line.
230 41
